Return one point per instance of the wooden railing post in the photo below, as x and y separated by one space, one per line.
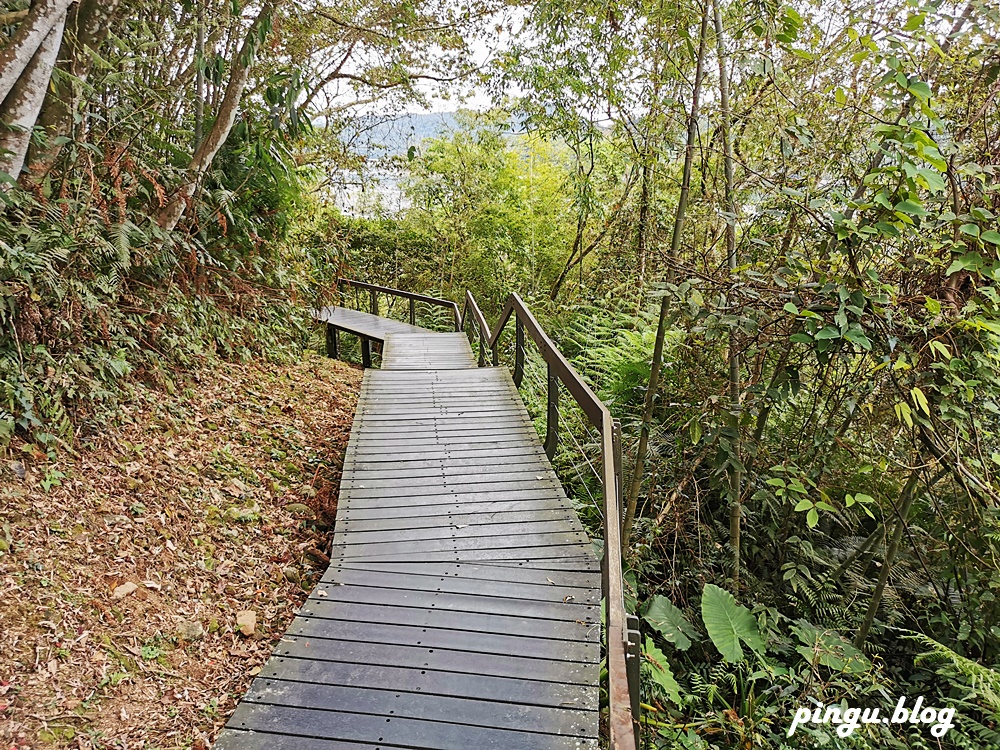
616 446
374 301
633 656
518 351
332 341
366 352
552 415
482 346
413 312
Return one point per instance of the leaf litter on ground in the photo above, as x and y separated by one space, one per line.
146 575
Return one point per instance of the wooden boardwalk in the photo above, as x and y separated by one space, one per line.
460 610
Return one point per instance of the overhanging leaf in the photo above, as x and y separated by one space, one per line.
828 648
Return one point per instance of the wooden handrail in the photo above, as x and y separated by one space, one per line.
621 628
485 337
375 289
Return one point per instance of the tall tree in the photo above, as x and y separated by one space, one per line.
652 386
87 26
225 117
23 102
17 54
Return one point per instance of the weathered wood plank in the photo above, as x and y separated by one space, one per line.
445 508
453 585
486 571
476 622
433 682
443 659
541 719
562 526
463 640
404 733
492 518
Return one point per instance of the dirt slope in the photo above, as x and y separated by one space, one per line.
124 569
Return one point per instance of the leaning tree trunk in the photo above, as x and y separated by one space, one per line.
87 26
20 108
19 52
170 214
661 326
732 261
905 501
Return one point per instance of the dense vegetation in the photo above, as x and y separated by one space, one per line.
767 233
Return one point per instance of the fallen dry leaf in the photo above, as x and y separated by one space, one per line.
192 514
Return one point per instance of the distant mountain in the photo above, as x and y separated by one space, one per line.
375 136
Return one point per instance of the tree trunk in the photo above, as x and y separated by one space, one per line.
661 326
905 501
170 214
87 26
692 136
735 385
642 230
19 52
20 108
199 100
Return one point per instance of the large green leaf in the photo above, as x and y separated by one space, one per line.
669 621
659 668
729 624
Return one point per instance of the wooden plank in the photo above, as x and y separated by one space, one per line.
348 536
488 572
382 437
466 397
443 467
541 719
582 556
463 640
401 489
336 576
437 417
368 508
442 659
433 682
530 477
492 518
485 603
443 452
400 444
236 738
476 622
393 732
485 426
363 511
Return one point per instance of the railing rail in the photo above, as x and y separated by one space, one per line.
374 290
620 627
482 327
